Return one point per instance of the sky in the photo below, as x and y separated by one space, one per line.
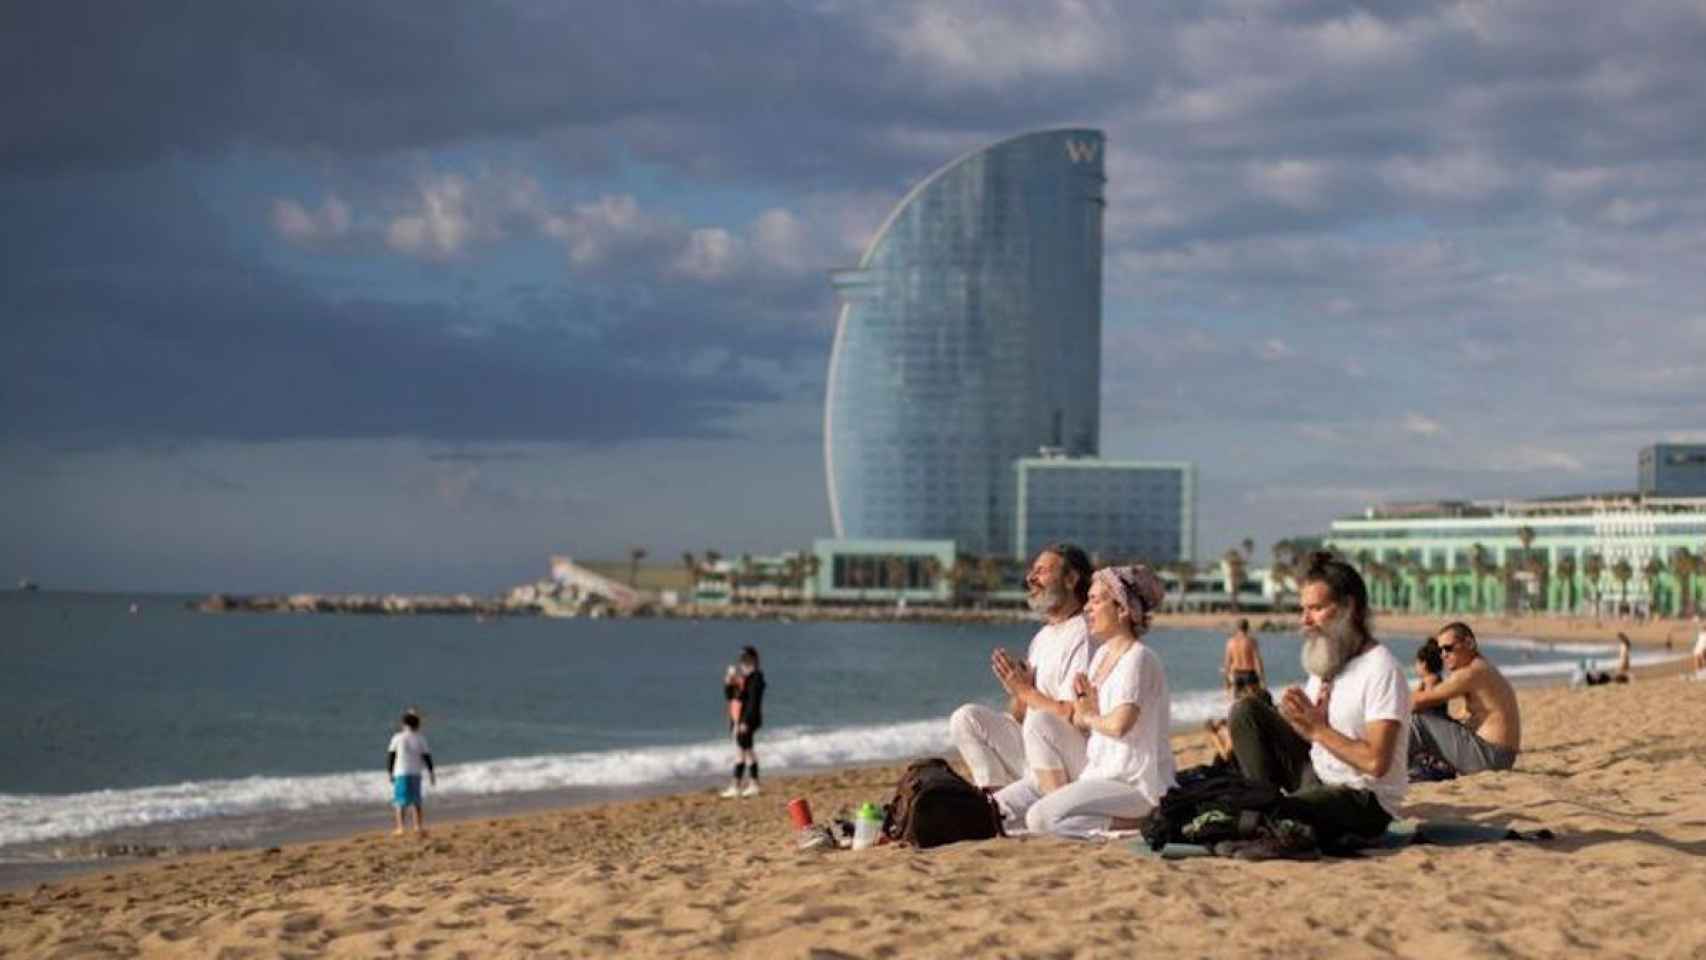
409 296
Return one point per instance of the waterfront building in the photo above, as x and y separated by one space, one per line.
1616 553
968 337
890 571
1673 470
1119 511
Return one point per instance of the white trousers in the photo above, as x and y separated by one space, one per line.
991 743
1085 806
999 750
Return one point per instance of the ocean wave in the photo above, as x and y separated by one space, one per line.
30 818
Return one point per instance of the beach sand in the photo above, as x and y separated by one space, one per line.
1615 771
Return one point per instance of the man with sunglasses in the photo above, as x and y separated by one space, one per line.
1490 737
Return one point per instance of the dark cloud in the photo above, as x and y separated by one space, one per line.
147 322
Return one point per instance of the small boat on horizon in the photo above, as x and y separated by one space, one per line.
27 585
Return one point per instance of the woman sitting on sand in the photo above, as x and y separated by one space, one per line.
1123 704
1430 667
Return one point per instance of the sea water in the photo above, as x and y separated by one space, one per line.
169 723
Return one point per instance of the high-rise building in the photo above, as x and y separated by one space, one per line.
1672 470
1120 511
969 336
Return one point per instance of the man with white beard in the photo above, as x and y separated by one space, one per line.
1032 749
1338 747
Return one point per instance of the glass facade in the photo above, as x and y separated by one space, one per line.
1673 470
1117 511
969 336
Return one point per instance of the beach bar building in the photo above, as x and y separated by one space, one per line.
1611 554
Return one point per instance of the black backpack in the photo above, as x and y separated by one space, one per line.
1235 808
934 805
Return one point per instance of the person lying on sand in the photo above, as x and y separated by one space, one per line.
1490 738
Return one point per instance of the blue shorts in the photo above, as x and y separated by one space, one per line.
406 790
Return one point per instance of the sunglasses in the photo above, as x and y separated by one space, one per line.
1447 648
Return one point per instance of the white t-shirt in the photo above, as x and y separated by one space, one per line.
410 747
1370 687
1144 756
1059 652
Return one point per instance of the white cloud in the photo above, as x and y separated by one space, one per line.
299 225
1296 183
711 254
1451 176
1421 426
1526 457
958 45
594 232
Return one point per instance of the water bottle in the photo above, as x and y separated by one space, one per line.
867 826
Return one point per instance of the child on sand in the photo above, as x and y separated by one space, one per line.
732 682
407 755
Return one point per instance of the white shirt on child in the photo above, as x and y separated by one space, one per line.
1059 652
1143 757
1370 687
410 748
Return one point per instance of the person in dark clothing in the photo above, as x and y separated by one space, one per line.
746 725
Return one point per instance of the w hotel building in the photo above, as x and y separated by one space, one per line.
968 343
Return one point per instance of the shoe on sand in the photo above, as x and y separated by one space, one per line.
750 791
730 792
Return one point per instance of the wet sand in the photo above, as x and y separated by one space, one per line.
1614 771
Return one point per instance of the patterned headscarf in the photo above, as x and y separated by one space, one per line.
1136 589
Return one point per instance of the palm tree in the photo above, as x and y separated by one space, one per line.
635 555
932 572
1536 568
740 576
1232 564
988 576
1567 580
960 575
1621 571
1249 546
1650 579
791 566
1184 570
1593 574
1525 536
1684 565
895 572
1423 596
809 567
1481 563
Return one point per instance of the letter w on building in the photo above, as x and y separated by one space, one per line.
1081 151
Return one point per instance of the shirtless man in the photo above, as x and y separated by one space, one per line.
1241 668
1699 648
1490 737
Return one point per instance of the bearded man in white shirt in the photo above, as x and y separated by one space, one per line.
1032 748
1337 747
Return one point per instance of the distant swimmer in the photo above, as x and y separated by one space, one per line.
1490 737
1241 667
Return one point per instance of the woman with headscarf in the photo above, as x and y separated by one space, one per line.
1123 704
